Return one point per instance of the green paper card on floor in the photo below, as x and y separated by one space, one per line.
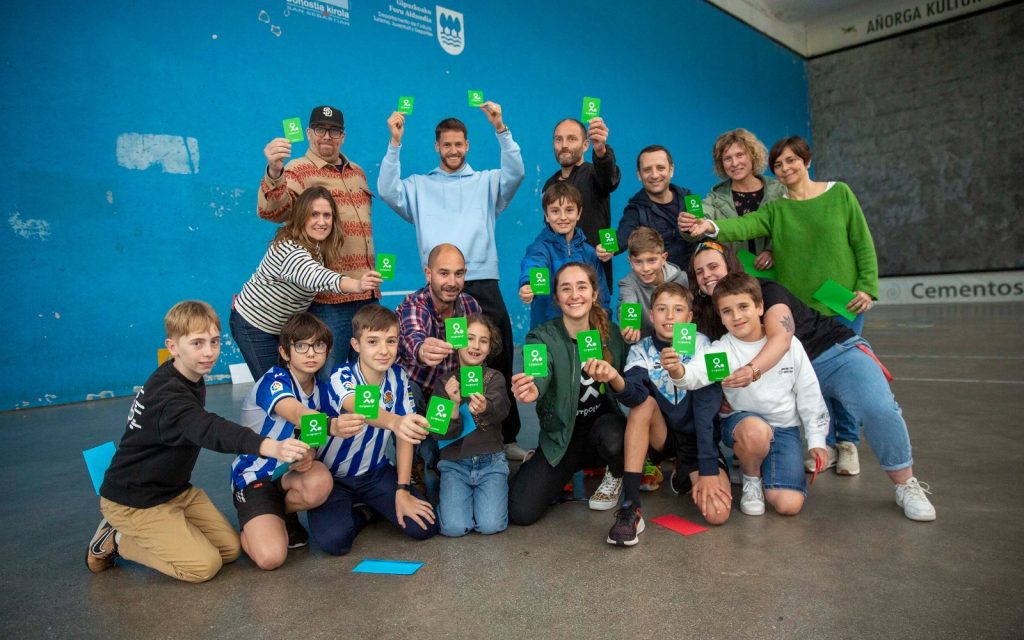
718 366
439 414
314 429
748 259
684 338
471 380
629 315
609 240
367 401
535 360
456 332
292 129
835 296
386 266
694 206
540 281
589 344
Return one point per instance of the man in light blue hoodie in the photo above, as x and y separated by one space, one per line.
455 204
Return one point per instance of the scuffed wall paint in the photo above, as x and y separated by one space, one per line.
174 154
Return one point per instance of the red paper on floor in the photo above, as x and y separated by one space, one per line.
679 525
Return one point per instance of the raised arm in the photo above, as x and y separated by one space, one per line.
398 194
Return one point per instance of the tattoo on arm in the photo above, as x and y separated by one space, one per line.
787 324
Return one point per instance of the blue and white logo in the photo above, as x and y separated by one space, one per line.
451 30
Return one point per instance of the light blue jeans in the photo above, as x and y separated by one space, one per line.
474 495
849 377
842 426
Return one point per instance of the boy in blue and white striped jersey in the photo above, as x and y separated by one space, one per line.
354 453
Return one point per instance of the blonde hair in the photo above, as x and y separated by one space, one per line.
756 149
190 316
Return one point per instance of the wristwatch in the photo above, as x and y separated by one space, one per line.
403 487
757 372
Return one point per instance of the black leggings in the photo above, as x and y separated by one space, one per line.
538 483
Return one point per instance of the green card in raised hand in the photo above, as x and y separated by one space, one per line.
313 429
748 259
471 380
630 315
835 296
608 239
718 366
456 332
684 338
540 281
439 414
386 266
589 344
293 129
405 104
367 401
693 205
591 108
476 98
535 360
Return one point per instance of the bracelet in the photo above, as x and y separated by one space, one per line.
403 487
757 372
502 131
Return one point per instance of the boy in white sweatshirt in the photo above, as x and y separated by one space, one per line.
763 427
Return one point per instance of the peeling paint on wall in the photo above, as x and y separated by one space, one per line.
175 154
102 395
31 229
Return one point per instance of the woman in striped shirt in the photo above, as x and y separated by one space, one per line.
290 274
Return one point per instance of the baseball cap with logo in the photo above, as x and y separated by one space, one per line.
327 115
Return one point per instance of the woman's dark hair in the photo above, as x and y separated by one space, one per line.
704 313
796 144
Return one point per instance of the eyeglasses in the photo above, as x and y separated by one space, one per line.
323 131
303 347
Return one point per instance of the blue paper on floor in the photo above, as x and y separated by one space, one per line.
468 426
97 460
393 567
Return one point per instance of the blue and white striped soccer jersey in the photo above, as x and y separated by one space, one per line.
364 452
258 414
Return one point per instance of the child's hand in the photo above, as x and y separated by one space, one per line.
409 506
739 378
600 370
433 352
631 335
288 450
671 362
347 425
711 492
411 428
602 254
305 463
523 388
452 388
820 456
477 403
526 294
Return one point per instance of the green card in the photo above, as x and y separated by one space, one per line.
456 332
293 129
471 380
540 281
609 240
314 429
386 266
589 344
630 314
367 401
684 338
591 108
747 259
535 360
718 366
476 98
835 296
439 414
405 104
694 205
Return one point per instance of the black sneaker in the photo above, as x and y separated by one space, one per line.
680 482
297 536
102 548
629 524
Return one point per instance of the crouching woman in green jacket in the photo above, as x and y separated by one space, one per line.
581 425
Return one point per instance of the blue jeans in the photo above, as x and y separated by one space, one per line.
783 467
474 495
258 348
849 377
841 425
338 318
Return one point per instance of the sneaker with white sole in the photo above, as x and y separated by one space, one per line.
752 502
680 482
652 476
607 495
832 456
911 496
514 452
298 537
629 524
847 460
102 548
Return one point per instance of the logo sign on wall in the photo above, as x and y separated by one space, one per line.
451 30
970 288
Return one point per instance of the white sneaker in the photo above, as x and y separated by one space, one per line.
809 460
514 452
847 462
911 496
752 502
607 495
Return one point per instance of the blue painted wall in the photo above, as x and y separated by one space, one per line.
95 251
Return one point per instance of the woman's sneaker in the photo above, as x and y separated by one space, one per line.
911 496
847 460
607 495
752 502
102 548
629 524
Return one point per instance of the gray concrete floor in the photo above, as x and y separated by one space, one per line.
849 566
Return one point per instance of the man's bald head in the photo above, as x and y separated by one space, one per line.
442 251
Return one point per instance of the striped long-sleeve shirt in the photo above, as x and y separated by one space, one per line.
284 284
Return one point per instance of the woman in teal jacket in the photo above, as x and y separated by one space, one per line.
581 425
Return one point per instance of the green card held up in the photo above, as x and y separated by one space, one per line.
609 240
314 429
386 266
456 332
589 344
693 205
540 281
591 108
747 259
718 366
630 314
835 296
684 338
293 129
535 360
405 104
439 414
476 98
471 380
367 401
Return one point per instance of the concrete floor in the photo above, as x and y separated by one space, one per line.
849 566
